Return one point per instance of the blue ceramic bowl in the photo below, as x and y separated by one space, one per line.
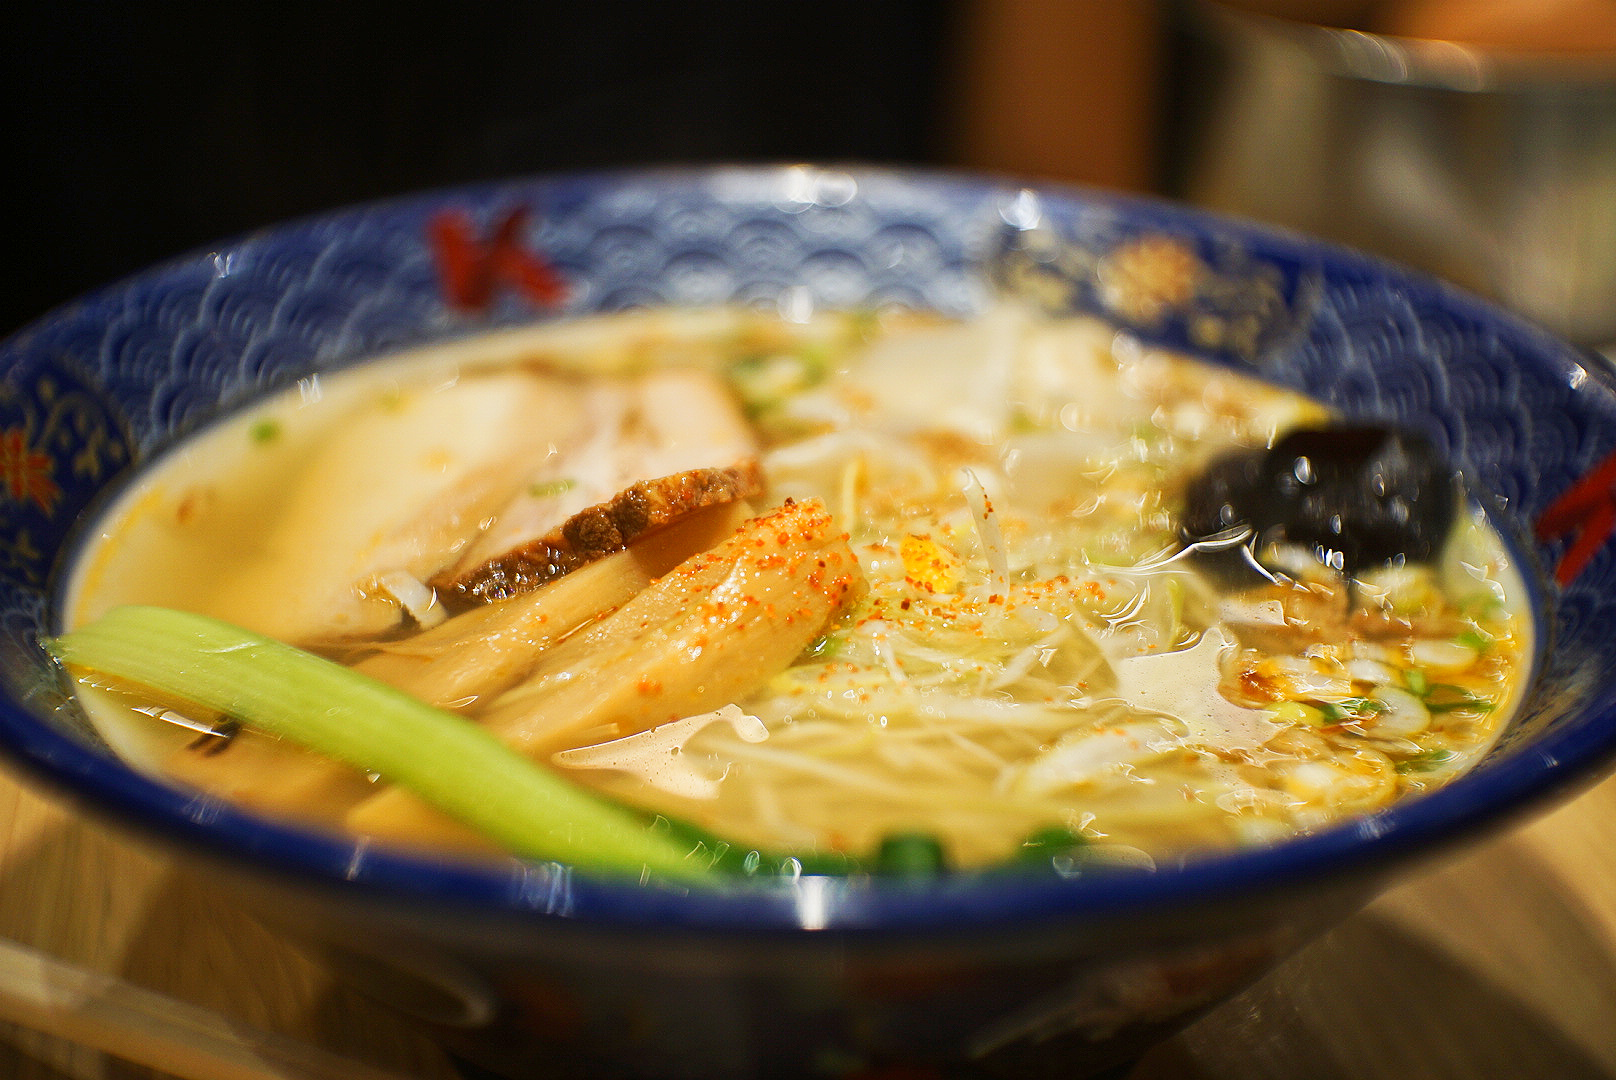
531 969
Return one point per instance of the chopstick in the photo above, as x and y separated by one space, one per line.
105 1013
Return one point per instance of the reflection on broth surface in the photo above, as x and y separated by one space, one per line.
865 585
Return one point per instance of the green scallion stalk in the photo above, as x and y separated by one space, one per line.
441 757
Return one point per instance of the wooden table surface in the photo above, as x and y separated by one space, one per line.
1499 963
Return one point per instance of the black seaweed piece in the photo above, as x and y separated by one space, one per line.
1359 495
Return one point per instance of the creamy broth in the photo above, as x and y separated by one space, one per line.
997 638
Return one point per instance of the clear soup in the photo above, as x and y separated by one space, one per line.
812 587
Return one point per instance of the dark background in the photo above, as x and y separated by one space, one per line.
140 131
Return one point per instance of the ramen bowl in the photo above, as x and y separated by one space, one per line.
535 969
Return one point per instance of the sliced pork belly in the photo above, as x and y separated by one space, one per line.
662 445
483 486
598 531
397 489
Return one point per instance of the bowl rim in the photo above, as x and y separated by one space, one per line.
1461 812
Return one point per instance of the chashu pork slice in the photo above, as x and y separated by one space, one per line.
663 445
395 491
463 482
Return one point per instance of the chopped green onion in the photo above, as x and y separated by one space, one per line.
1047 843
1175 606
825 646
1023 424
765 382
1298 712
1426 761
1416 682
910 855
265 431
1475 639
441 757
550 488
824 863
1483 607
1349 709
1466 701
863 323
721 855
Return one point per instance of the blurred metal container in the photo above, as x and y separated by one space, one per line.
1495 171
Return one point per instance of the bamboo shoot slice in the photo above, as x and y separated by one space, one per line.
709 633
